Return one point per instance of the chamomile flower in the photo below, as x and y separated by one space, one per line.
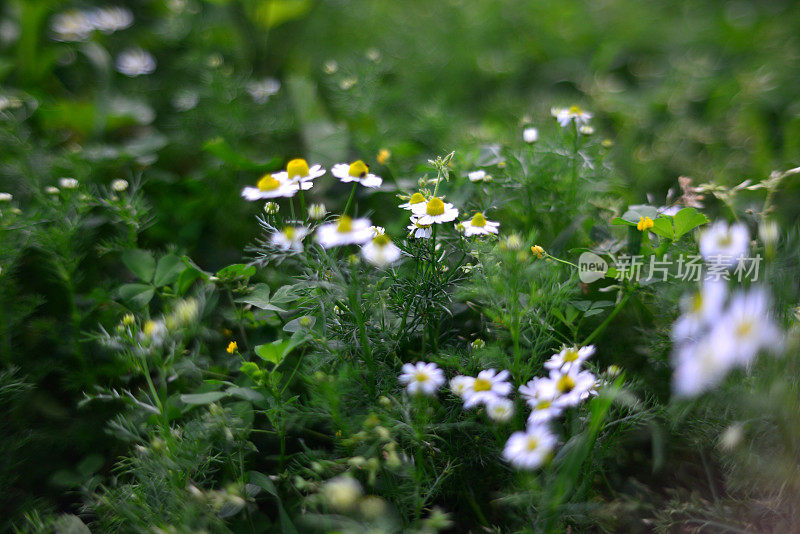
419 231
290 238
702 365
531 448
297 170
540 394
460 384
71 26
500 409
479 176
317 211
111 19
119 185
261 90
487 386
358 171
135 62
478 225
435 211
345 231
416 199
724 245
749 325
530 135
699 310
570 357
572 386
572 114
68 183
422 378
381 251
272 186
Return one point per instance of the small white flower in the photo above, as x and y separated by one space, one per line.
540 394
586 129
570 357
358 171
135 62
530 135
271 208
572 386
702 365
185 100
377 230
381 251
51 190
460 384
749 325
111 19
699 310
478 225
434 211
479 176
71 26
566 115
297 170
422 378
500 409
345 231
342 493
290 238
724 245
419 231
317 212
487 386
416 198
119 185
531 448
273 186
261 90
6 197
68 183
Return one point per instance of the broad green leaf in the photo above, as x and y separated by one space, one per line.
663 227
137 294
245 394
271 13
140 262
262 481
273 352
168 269
187 278
283 295
687 220
259 298
635 213
619 221
300 324
237 270
202 398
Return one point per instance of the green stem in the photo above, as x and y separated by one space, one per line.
605 323
350 198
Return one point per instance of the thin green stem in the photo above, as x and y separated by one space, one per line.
350 199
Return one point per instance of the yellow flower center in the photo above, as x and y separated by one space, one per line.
297 167
532 444
268 183
645 223
481 384
744 328
422 377
575 110
381 240
570 356
565 384
725 241
345 225
435 206
416 198
358 169
478 220
543 405
697 303
289 232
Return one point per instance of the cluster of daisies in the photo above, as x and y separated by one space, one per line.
376 247
566 386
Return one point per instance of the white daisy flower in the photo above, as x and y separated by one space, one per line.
71 26
6 197
487 386
377 230
570 357
419 231
699 310
500 409
566 115
540 394
111 19
345 231
119 185
572 386
416 198
434 211
290 238
724 245
749 325
478 225
381 251
297 170
479 176
531 448
530 135
261 90
135 62
358 171
422 378
68 183
702 365
460 384
272 186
